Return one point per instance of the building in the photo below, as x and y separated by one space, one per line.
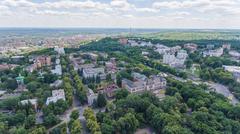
111 67
123 41
59 50
161 49
110 90
192 47
234 54
91 96
209 46
94 72
216 53
169 58
58 68
226 46
182 54
7 66
42 61
56 95
56 83
142 83
235 70
33 102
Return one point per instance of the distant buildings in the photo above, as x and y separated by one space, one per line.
142 83
216 53
161 49
94 72
56 95
235 70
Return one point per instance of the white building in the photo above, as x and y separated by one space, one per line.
33 102
182 54
58 68
142 83
169 58
56 95
216 53
59 50
234 54
94 72
91 96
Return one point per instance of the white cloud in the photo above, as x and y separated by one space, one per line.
121 13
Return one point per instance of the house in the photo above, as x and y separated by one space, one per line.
133 87
58 68
56 95
33 102
94 72
110 90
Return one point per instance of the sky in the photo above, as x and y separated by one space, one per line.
197 14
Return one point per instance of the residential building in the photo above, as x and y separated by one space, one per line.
110 90
216 53
143 83
210 46
169 58
56 95
226 46
7 66
94 72
123 41
91 96
111 67
33 102
234 54
59 50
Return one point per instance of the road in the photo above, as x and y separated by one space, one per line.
221 89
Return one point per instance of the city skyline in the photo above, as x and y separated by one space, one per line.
193 14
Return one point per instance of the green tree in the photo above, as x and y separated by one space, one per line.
75 114
76 127
101 100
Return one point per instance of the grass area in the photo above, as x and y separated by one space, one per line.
187 36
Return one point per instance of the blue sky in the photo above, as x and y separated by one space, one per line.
121 13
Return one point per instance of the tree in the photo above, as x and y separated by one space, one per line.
50 120
75 114
38 130
76 127
127 124
120 94
11 84
30 121
18 130
101 100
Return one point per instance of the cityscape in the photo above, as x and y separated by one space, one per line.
119 67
